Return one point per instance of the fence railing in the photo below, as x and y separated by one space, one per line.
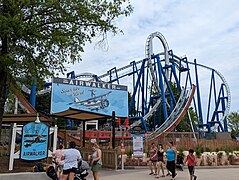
109 157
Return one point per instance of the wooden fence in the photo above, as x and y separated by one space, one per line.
109 157
186 140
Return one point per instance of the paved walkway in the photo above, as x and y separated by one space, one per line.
142 174
138 174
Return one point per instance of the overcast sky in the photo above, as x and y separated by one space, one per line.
207 30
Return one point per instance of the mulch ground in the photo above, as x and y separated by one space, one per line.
18 165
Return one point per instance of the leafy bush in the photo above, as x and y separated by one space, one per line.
207 149
228 150
129 152
180 157
198 151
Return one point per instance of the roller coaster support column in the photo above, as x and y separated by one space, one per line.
142 91
71 75
132 101
111 71
174 71
161 86
198 95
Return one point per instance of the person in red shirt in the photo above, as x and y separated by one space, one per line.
191 163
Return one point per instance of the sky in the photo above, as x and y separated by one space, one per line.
206 30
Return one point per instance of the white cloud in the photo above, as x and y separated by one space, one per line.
207 30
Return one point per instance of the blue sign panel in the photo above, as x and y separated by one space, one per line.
34 141
98 97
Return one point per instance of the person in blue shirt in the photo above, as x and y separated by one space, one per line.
171 155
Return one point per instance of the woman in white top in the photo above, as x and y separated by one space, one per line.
71 158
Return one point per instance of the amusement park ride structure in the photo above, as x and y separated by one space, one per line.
153 101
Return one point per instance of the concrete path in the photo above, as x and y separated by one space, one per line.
142 174
139 174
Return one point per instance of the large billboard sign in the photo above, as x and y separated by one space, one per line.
97 97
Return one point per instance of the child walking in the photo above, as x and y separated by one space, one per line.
191 162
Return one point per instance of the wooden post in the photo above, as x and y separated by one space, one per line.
65 142
83 139
113 129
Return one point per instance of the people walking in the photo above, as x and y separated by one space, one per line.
153 158
160 161
71 158
95 160
191 163
171 154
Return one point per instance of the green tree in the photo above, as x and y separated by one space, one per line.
38 37
184 125
233 123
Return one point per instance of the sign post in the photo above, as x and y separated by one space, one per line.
122 153
137 134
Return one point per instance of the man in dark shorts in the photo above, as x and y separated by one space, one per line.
71 158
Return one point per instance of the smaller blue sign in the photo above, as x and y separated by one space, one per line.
34 141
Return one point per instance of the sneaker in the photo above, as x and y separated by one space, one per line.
168 174
157 176
163 175
195 177
151 173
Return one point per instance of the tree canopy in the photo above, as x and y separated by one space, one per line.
233 123
38 37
